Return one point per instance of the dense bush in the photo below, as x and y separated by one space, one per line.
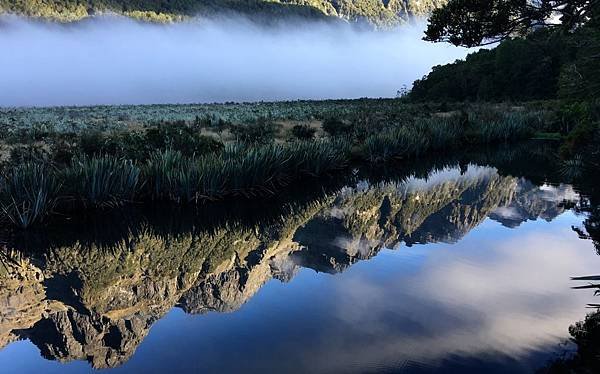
518 69
434 134
303 132
261 131
336 127
138 145
253 171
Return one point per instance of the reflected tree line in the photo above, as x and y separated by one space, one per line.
90 289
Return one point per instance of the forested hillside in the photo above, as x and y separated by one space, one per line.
537 58
557 61
377 12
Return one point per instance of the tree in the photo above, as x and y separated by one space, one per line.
480 22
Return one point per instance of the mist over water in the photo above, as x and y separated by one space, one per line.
115 60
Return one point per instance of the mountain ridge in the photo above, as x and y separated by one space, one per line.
379 13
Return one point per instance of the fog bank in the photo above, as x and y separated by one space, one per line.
114 60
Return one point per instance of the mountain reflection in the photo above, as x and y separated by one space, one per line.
82 296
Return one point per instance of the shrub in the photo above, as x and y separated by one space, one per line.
26 153
172 176
262 131
501 127
186 139
303 132
92 142
159 172
336 127
578 138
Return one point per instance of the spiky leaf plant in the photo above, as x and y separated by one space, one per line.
103 181
28 194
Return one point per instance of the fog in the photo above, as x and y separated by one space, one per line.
114 60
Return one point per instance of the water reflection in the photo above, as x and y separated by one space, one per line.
93 291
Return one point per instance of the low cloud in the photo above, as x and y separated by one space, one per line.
115 60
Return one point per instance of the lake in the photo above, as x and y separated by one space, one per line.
452 265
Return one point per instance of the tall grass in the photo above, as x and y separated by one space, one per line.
28 192
239 171
103 181
502 127
439 133
413 140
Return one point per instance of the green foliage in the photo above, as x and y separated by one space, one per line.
173 162
475 22
580 77
578 138
518 69
24 153
395 143
376 12
239 171
182 137
160 171
318 157
260 131
490 127
440 133
303 132
25 124
337 127
138 145
27 194
103 181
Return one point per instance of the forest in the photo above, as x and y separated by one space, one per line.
546 64
546 52
383 13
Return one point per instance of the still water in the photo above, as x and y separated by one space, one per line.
459 267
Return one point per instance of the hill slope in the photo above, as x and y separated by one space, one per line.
376 12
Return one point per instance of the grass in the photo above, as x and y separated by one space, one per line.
547 136
28 194
32 191
103 181
247 171
435 134
188 161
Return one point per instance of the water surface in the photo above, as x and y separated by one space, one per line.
459 266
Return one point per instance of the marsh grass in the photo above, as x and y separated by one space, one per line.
247 171
445 133
492 127
573 168
173 162
103 181
413 141
28 193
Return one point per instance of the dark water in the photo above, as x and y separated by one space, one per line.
460 265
